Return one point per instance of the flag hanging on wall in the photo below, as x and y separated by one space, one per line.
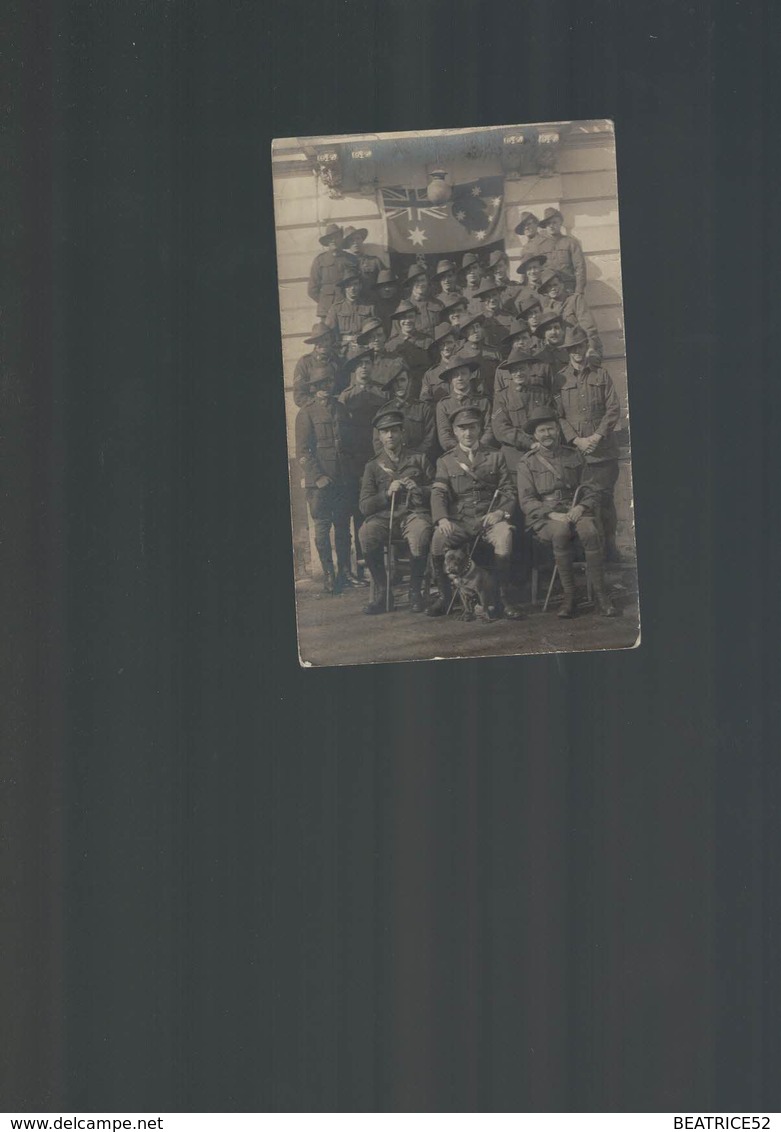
470 221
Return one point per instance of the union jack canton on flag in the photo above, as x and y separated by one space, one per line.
470 220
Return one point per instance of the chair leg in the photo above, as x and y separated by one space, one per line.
553 577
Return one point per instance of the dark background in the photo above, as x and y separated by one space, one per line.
230 884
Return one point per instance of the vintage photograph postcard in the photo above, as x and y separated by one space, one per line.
455 378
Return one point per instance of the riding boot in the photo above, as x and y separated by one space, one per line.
379 591
417 569
567 575
512 611
596 574
323 544
442 603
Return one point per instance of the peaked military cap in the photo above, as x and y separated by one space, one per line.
368 326
519 355
350 234
405 309
548 216
466 414
385 277
319 332
539 415
575 336
527 259
524 217
331 231
386 418
443 267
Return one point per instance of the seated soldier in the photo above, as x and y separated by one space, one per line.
574 310
531 267
550 332
386 298
535 240
410 344
529 389
559 501
461 376
472 496
498 267
403 477
420 426
348 314
322 359
325 451
475 346
445 281
565 253
327 269
590 410
497 323
470 276
429 311
446 344
386 365
369 266
454 310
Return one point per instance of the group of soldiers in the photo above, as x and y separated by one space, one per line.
456 408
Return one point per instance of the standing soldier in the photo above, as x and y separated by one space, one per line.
498 267
470 277
428 310
324 449
409 343
420 426
348 314
446 344
530 267
402 477
369 266
328 268
573 310
469 480
529 389
322 359
386 298
461 375
548 480
445 280
475 346
535 241
550 332
565 253
590 410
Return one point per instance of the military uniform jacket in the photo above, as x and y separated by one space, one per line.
420 428
588 403
434 388
547 482
443 296
475 305
526 293
489 360
565 255
537 245
508 296
463 491
380 473
387 368
496 327
512 408
448 405
327 269
362 404
347 318
576 311
324 442
414 353
429 315
538 376
309 365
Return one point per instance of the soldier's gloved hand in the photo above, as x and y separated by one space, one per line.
394 486
575 512
493 517
322 481
446 527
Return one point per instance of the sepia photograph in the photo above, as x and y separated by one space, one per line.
455 393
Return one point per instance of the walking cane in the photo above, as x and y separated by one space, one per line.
479 535
390 557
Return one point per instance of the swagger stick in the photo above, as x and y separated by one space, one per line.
390 556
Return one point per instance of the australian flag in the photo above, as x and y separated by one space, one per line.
472 220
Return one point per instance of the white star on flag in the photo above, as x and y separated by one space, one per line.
495 201
460 215
417 236
480 235
476 191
